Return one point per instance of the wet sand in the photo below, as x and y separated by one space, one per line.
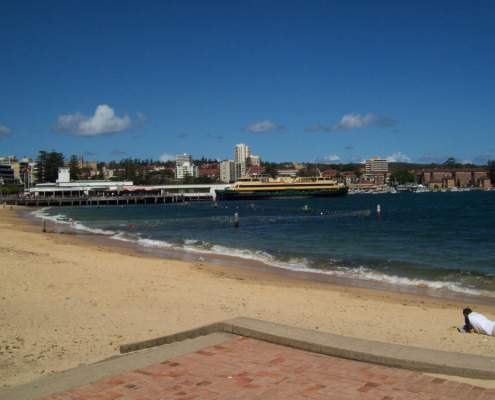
65 301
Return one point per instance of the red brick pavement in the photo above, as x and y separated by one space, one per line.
244 368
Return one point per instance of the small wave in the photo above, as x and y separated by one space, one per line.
294 264
62 219
154 243
303 265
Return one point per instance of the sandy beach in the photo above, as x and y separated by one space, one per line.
65 301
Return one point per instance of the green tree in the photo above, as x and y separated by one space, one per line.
270 169
41 164
75 171
48 165
402 176
54 162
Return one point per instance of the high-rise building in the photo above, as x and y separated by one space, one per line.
241 152
184 166
183 158
240 170
376 170
9 170
6 175
227 171
376 165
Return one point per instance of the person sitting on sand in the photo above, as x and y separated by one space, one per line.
478 323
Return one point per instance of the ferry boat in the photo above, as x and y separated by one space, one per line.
253 188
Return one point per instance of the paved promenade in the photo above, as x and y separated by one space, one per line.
244 368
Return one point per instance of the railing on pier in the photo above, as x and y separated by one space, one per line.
130 199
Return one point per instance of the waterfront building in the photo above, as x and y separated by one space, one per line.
376 165
376 170
349 177
443 178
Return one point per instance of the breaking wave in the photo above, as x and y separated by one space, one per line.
294 264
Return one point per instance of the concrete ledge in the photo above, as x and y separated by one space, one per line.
175 337
393 355
83 375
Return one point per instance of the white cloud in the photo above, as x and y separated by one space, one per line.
332 158
4 131
104 121
167 157
398 157
264 126
354 121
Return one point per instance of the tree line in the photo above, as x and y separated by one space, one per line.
135 169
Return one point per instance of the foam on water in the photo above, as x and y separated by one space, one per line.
294 264
64 220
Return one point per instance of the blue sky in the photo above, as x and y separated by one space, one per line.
296 80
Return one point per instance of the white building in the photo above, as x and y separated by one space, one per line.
63 175
183 158
184 166
227 171
186 169
65 187
376 165
107 172
254 160
241 152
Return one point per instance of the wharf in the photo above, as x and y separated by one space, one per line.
73 201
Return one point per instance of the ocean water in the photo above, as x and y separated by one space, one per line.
438 240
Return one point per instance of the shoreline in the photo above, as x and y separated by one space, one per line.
68 301
232 261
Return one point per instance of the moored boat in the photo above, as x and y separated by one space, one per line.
268 188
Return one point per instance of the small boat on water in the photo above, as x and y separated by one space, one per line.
252 188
